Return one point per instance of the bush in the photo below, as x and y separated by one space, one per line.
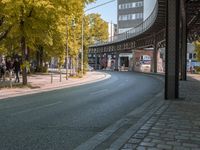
197 69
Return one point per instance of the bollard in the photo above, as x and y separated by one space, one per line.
51 78
60 76
10 76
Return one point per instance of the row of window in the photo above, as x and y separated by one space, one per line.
131 17
130 5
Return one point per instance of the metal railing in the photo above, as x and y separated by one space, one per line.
139 29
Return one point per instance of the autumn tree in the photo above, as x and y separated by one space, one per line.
197 49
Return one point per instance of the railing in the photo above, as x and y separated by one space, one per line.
141 28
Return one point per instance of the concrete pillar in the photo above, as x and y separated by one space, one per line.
155 58
117 61
172 49
100 61
184 50
96 58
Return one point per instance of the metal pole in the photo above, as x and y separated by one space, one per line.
51 77
10 75
82 46
60 75
67 49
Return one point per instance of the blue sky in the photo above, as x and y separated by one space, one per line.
108 11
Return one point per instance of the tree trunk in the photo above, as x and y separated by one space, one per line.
23 48
24 69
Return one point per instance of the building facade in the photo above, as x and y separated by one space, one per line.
130 14
112 31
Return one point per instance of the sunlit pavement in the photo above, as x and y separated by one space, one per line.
172 125
46 82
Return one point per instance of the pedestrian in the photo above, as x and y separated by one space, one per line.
2 71
16 67
8 65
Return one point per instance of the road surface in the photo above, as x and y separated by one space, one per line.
64 119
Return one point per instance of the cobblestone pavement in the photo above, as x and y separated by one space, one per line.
175 126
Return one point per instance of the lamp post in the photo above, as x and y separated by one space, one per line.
67 47
82 42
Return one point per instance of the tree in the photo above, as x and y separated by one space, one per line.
95 29
98 28
35 23
44 27
197 49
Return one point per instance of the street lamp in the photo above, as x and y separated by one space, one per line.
67 47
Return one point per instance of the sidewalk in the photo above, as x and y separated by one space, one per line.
174 125
157 124
41 83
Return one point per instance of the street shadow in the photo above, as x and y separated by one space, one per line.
190 89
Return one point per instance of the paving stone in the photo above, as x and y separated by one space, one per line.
176 127
134 141
147 144
191 145
142 131
141 148
154 134
195 139
174 143
147 139
158 141
181 137
180 148
139 136
164 146
153 148
129 146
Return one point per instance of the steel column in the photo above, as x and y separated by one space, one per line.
96 57
184 47
155 57
116 61
172 49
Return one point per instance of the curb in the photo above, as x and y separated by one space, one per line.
67 85
150 107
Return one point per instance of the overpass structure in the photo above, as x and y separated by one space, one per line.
171 24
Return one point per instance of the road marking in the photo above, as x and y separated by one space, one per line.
36 108
99 92
120 85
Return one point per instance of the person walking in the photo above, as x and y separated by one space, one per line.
16 67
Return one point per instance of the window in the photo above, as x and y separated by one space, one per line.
125 6
129 16
139 16
133 16
139 4
120 6
133 5
190 55
120 17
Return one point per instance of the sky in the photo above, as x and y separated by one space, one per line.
109 11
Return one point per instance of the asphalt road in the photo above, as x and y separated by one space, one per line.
63 119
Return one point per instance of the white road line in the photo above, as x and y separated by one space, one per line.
120 85
36 108
99 92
